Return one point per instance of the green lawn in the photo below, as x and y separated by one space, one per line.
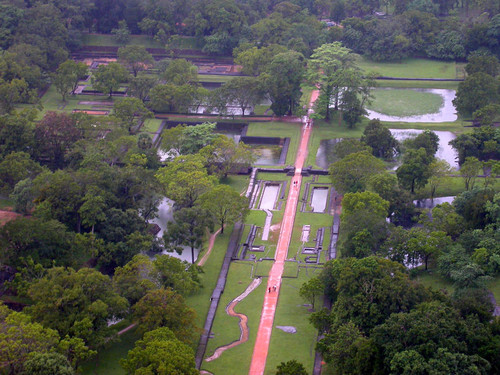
291 312
235 361
278 129
108 360
151 125
237 182
435 281
401 102
110 40
450 85
214 78
411 68
183 42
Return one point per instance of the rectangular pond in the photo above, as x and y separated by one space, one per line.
319 199
269 196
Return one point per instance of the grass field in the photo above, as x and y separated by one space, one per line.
108 360
411 68
402 102
435 281
226 330
214 78
450 85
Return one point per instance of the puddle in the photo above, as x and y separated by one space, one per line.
431 203
319 198
447 112
265 154
445 151
325 155
269 197
166 214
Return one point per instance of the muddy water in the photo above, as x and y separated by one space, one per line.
166 214
447 112
319 198
431 203
325 155
269 197
445 151
266 155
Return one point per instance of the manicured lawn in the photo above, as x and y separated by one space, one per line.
110 40
108 360
435 281
237 182
183 42
411 68
402 102
278 129
151 125
213 78
235 361
291 312
260 110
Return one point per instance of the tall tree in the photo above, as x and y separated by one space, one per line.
414 172
165 308
130 109
67 76
282 82
469 171
108 78
477 91
380 139
225 205
54 135
330 67
352 172
89 303
20 337
160 352
180 72
48 364
136 58
184 182
223 155
244 92
188 229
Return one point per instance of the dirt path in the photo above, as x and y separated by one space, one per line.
211 241
243 320
261 348
6 216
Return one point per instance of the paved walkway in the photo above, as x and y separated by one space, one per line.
261 348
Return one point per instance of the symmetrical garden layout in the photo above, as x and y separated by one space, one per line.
278 251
